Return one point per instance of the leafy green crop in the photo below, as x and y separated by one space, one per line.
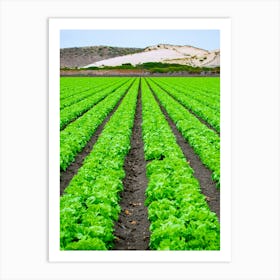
90 206
87 244
204 90
204 141
179 215
87 92
74 111
190 101
76 135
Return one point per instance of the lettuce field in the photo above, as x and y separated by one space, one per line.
140 163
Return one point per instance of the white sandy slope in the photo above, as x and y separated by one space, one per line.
185 55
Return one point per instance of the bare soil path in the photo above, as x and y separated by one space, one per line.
132 228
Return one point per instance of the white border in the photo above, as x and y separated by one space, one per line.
222 24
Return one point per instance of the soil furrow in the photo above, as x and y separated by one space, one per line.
194 114
67 175
132 228
201 172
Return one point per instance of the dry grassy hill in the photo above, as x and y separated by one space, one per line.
78 57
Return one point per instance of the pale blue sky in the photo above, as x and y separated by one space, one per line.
205 39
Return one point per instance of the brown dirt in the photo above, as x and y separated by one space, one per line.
132 228
127 73
67 175
109 72
201 172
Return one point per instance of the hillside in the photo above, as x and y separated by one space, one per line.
78 57
164 53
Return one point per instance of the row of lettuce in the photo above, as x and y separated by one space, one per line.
85 93
204 141
195 101
179 215
70 86
82 104
76 135
90 204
